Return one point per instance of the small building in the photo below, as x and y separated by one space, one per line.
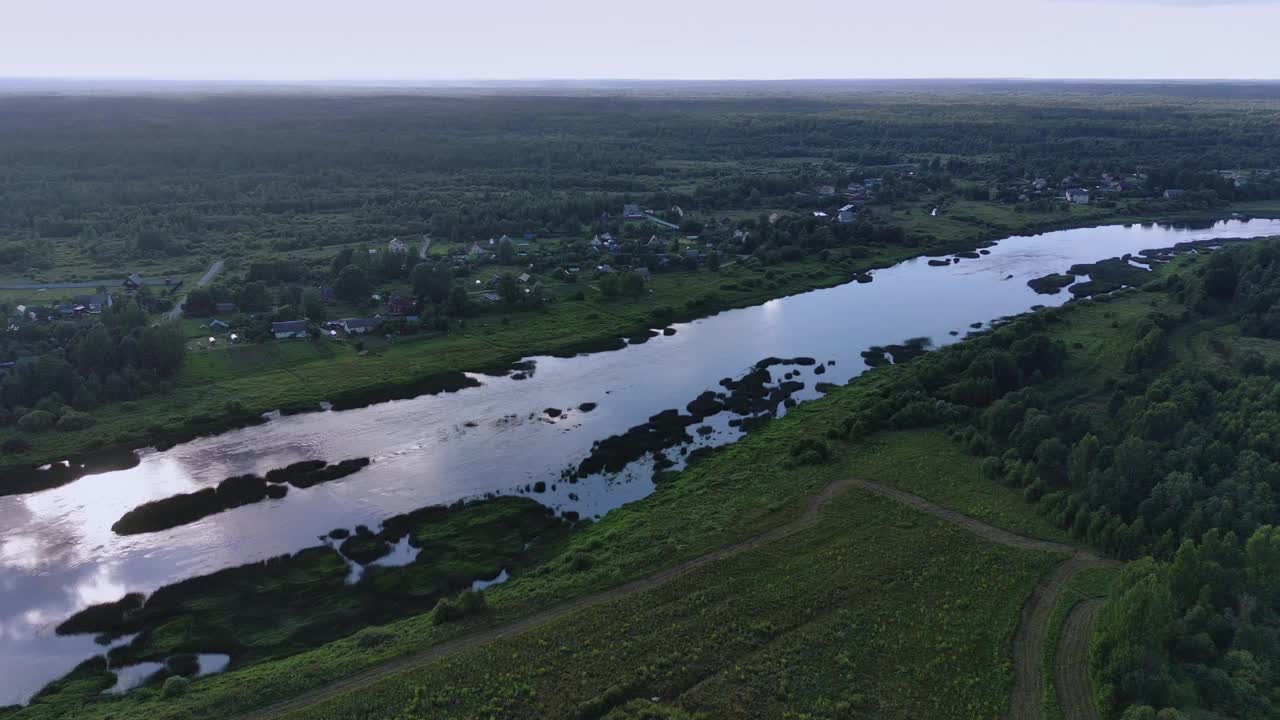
402 305
826 190
359 326
1174 194
226 308
93 304
820 214
219 325
741 236
848 213
289 329
524 278
133 283
654 242
475 250
397 246
1078 196
872 183
632 212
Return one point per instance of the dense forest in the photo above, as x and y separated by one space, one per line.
116 181
1177 461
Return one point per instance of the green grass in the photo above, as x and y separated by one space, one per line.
1084 585
929 464
816 625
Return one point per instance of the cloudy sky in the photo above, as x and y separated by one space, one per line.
670 39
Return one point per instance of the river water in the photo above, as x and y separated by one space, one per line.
59 555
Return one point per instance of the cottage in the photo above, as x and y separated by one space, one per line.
653 242
226 308
848 213
133 283
219 325
397 246
523 278
632 212
399 305
1079 196
475 250
93 304
289 329
359 326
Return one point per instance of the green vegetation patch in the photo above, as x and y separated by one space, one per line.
817 624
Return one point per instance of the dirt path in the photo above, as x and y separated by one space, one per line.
214 269
1028 642
1071 665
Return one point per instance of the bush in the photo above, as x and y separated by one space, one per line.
174 686
73 420
810 452
36 421
372 638
15 444
470 602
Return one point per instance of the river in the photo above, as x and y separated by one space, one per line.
59 555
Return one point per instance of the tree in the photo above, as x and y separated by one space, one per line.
459 302
253 296
340 261
713 261
200 303
633 284
313 306
610 286
509 289
506 252
352 285
163 348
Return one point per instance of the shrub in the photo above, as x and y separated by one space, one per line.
74 420
15 444
810 452
174 686
36 421
373 637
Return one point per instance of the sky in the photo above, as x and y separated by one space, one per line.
407 40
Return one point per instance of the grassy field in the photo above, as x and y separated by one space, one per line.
814 626
929 464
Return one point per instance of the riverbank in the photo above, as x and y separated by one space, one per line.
232 387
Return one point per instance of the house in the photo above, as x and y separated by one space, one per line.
523 278
847 213
632 212
359 326
93 304
741 236
219 325
226 308
475 250
399 305
397 246
289 329
826 190
872 183
596 242
676 209
1079 196
1040 184
1173 194
820 214
605 269
490 297
653 242
65 309
133 283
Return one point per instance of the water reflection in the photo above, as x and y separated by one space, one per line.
58 553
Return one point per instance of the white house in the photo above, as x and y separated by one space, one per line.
475 250
1079 196
847 214
359 326
398 246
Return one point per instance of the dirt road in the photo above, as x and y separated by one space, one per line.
1028 649
1071 665
214 269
